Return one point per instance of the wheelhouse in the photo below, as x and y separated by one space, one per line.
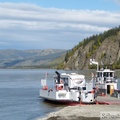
105 76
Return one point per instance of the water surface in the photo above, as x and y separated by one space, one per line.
19 93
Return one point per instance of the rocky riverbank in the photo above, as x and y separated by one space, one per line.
82 112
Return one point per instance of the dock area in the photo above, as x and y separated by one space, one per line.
108 100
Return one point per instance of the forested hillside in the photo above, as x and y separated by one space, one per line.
105 48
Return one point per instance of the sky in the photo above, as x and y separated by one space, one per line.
54 24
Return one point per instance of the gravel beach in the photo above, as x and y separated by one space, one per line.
81 112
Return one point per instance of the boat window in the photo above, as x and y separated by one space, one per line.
83 88
99 74
65 80
56 80
111 74
106 74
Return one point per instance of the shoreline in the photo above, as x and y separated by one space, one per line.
81 112
73 118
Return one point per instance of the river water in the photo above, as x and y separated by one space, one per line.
19 93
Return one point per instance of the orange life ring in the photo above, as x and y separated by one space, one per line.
59 87
45 87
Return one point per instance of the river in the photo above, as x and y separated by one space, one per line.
19 93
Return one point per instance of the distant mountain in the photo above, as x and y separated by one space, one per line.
104 48
11 58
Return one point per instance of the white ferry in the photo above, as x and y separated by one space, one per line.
68 88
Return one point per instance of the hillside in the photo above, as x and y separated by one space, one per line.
105 48
30 58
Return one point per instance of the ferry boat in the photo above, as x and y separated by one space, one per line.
68 88
104 80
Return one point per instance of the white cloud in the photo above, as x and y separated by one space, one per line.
31 23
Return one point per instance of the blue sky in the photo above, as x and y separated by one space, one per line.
56 24
73 4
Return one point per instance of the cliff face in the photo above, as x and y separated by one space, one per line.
109 51
106 53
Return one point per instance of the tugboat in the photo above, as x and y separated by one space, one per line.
68 88
104 80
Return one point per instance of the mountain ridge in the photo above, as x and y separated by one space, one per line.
12 58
